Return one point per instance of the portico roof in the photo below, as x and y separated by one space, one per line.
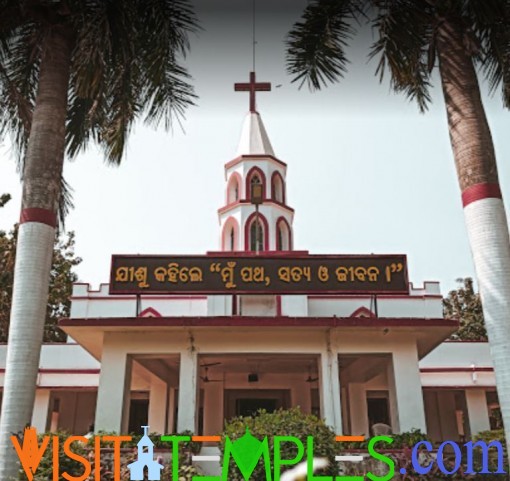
89 332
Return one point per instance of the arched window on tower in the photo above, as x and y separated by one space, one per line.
277 188
255 177
233 189
232 239
256 236
230 235
283 239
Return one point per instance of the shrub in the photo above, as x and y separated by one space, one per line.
290 422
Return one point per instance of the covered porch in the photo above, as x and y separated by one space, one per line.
205 370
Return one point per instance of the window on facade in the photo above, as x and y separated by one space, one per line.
256 236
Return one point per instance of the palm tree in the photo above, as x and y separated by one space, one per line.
73 71
463 38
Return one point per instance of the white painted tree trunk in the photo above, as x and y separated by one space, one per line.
487 227
29 302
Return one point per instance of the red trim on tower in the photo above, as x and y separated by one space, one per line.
251 173
242 202
261 157
284 220
35 214
480 192
247 226
234 176
230 222
273 187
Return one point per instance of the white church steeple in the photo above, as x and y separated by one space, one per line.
242 228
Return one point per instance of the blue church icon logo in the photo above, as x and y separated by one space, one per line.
145 460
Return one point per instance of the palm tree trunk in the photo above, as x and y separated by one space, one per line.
41 194
484 210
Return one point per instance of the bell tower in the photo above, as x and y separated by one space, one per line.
255 216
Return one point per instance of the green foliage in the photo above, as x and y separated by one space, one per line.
62 277
186 469
290 422
408 439
185 448
465 305
492 435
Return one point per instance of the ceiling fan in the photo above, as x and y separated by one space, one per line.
210 364
205 377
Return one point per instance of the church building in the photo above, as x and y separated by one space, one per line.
189 361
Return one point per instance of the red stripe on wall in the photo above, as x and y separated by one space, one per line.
479 192
35 214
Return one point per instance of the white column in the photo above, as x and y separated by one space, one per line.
41 408
213 408
329 382
408 389
158 405
478 412
188 393
359 409
112 410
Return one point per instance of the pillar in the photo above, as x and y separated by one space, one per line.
158 405
408 389
358 409
112 410
41 408
188 392
478 412
329 383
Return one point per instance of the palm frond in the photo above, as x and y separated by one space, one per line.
19 66
127 64
491 25
316 44
65 203
165 82
405 46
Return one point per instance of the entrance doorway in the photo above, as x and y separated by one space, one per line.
378 408
138 414
246 402
249 407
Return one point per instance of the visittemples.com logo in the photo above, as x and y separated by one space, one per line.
247 453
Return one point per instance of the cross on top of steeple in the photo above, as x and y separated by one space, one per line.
252 86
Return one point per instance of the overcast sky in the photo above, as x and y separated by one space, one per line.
366 172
